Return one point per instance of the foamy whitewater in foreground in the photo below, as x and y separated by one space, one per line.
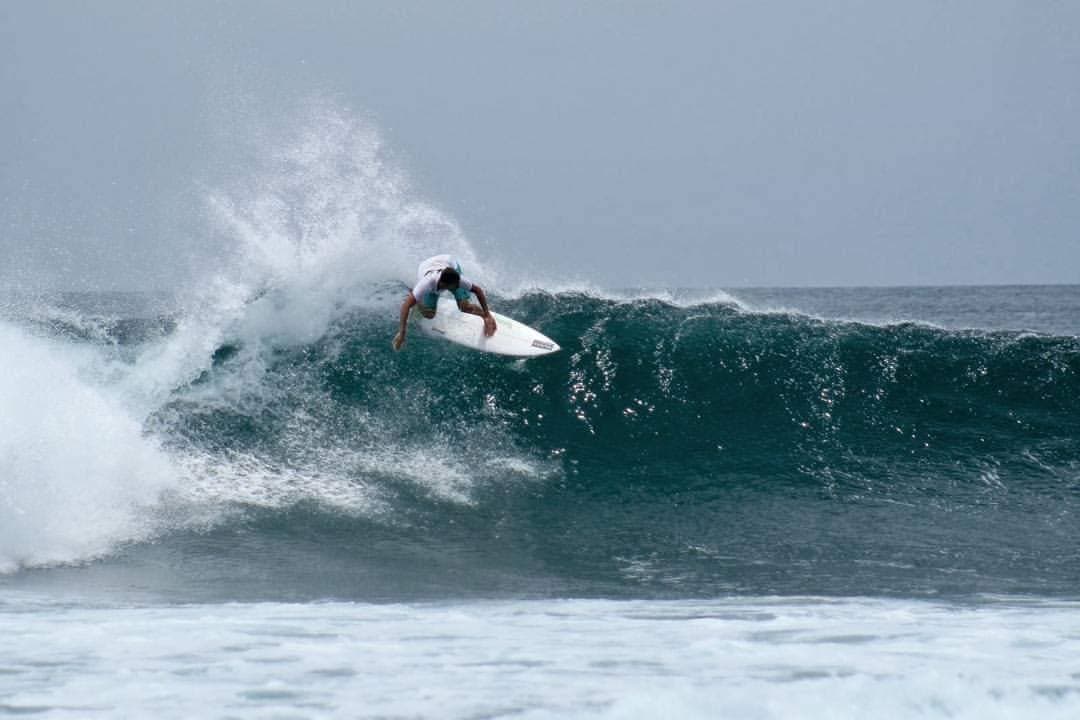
744 658
240 502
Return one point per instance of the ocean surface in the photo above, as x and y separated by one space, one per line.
751 503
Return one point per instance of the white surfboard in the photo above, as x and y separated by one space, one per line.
511 337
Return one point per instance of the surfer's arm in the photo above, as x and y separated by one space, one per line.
483 311
406 306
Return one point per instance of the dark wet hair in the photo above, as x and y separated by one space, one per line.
450 277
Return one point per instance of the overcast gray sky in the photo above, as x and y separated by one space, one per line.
707 144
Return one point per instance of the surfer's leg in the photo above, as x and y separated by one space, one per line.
468 307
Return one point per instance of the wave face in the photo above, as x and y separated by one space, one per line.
668 450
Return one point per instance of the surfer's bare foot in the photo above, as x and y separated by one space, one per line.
399 340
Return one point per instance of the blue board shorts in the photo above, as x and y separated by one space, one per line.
430 299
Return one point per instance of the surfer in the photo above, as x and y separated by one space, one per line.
434 275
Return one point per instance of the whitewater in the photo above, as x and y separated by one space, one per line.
235 500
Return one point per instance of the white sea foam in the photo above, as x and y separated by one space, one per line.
752 658
76 471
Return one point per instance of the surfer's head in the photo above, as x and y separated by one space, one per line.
450 279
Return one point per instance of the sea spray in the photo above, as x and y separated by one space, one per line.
309 235
324 228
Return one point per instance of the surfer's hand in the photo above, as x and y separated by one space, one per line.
489 325
399 340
